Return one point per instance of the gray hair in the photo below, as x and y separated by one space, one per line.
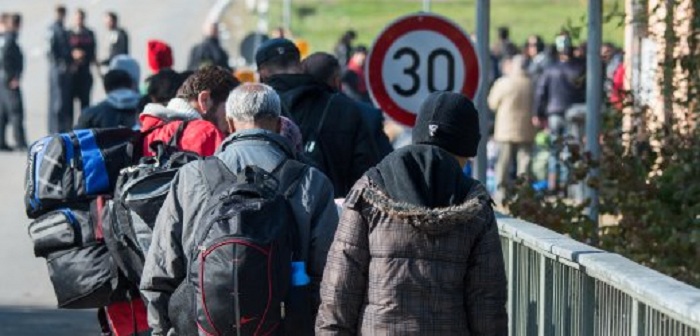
251 102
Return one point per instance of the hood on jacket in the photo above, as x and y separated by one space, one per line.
177 109
275 139
294 88
123 99
424 186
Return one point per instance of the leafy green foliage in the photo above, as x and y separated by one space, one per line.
649 186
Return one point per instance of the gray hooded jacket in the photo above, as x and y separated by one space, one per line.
313 206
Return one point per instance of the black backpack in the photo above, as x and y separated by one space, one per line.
138 197
80 267
239 276
70 168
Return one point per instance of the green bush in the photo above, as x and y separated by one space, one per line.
649 186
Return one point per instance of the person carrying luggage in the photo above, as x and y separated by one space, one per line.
185 228
191 120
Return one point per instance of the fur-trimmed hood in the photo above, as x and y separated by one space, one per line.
434 221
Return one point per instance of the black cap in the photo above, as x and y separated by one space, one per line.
274 48
450 121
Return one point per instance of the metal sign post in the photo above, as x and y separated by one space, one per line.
594 90
287 15
426 5
483 16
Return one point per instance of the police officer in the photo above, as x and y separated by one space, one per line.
11 107
83 51
60 86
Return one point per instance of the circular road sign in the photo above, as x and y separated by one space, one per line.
416 55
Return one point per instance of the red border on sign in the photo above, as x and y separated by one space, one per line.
402 26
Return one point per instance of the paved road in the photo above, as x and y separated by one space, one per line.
26 296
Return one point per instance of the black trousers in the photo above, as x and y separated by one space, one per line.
82 87
60 100
12 113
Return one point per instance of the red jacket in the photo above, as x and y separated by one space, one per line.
617 96
199 136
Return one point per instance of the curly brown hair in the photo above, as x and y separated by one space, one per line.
217 80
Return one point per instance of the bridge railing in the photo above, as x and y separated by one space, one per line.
558 286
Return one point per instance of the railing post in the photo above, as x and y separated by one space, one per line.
638 316
544 306
512 294
589 300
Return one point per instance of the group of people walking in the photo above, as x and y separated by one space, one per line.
414 249
539 94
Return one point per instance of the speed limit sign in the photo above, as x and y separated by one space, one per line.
416 55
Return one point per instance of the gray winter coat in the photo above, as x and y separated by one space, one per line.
165 267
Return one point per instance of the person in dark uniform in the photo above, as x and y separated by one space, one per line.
118 39
83 47
60 85
11 106
209 52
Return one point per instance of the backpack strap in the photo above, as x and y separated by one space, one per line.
177 136
289 174
215 173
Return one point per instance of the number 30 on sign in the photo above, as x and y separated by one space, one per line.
416 55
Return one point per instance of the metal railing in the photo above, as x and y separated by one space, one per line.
558 286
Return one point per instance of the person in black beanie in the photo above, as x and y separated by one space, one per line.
432 242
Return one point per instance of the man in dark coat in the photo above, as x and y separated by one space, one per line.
118 39
119 109
326 69
11 107
209 52
335 137
83 50
560 87
60 79
417 250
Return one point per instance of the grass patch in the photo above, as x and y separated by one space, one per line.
369 17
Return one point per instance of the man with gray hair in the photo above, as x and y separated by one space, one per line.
253 117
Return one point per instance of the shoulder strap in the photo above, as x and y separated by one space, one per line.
177 136
215 173
289 174
324 114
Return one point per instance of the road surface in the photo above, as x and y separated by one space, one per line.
26 298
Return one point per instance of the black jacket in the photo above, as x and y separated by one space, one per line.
562 85
374 119
59 50
118 110
84 40
347 149
208 52
118 44
11 58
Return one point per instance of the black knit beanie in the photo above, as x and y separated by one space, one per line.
450 121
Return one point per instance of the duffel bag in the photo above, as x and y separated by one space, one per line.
69 168
80 266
